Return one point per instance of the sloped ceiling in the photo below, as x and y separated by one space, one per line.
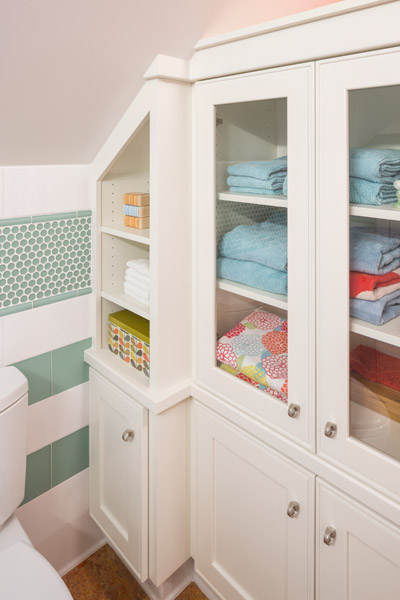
70 68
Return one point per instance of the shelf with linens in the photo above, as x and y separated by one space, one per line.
254 265
359 273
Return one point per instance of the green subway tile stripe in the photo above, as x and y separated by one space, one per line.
9 310
44 261
84 213
84 292
69 367
38 473
38 372
70 455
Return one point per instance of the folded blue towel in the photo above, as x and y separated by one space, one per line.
373 251
284 191
268 186
370 192
254 191
375 164
252 274
377 312
260 169
264 243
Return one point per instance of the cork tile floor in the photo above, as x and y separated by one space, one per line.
102 576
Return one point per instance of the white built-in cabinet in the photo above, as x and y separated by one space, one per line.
254 524
257 116
358 553
358 105
119 471
291 498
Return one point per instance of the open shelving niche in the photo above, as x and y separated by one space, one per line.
128 172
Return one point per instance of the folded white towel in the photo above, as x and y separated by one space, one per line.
133 273
141 265
136 294
136 283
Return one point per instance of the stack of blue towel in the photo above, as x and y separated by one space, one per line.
372 173
375 252
255 255
265 177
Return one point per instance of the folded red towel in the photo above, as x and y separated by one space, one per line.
376 366
372 287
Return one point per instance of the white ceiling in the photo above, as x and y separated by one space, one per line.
70 68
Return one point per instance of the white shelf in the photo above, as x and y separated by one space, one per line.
278 300
388 333
128 233
117 295
279 201
104 358
375 212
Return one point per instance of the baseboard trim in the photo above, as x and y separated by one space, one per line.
74 563
205 586
173 586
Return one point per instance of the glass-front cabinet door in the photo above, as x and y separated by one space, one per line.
255 245
358 249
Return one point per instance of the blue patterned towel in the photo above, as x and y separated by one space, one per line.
252 274
370 192
284 191
373 251
261 169
255 191
377 312
375 164
264 243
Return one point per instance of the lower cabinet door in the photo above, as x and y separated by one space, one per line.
358 552
254 523
118 471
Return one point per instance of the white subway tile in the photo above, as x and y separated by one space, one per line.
32 332
55 417
1 343
59 525
48 189
1 192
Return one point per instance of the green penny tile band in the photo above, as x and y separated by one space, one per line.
44 259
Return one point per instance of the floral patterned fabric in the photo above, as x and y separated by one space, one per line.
257 349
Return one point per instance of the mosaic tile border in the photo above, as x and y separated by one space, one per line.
44 259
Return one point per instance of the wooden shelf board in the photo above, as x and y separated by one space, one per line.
278 300
279 201
117 295
375 212
128 233
388 333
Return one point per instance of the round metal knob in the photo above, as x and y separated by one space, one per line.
128 435
293 509
293 410
330 429
329 536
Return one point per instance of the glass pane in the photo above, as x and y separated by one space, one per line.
251 244
374 170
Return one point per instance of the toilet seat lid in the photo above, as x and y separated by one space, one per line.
24 573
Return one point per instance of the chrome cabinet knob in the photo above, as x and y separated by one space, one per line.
293 509
330 429
293 410
128 435
329 536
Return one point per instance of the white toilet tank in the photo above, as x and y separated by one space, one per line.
13 436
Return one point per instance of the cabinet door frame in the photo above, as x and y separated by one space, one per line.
209 428
134 552
334 78
348 517
296 83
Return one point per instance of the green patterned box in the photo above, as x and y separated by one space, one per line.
128 338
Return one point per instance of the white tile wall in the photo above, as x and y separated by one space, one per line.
32 332
57 416
59 525
42 190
